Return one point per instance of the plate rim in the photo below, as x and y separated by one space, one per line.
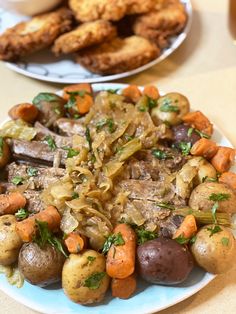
176 44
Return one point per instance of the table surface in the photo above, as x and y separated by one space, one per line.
204 69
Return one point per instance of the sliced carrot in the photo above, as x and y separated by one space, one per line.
123 288
10 203
151 91
74 243
205 148
26 228
199 121
26 112
84 103
132 92
228 178
76 88
187 229
223 159
120 261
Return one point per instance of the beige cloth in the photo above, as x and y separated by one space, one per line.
204 69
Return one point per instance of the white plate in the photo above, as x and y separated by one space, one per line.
45 66
148 299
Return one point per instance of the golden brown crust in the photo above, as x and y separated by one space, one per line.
118 55
83 36
111 10
140 6
169 19
38 33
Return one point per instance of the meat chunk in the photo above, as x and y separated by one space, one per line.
70 127
34 203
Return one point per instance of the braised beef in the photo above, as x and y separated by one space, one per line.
70 127
34 202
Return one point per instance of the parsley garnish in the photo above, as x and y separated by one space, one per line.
168 107
165 205
91 258
17 180
142 108
160 154
208 179
225 241
218 197
93 282
193 239
49 97
32 172
106 122
51 143
190 131
214 230
80 93
113 91
144 235
44 236
71 152
88 137
1 146
185 148
181 239
71 102
152 103
202 134
75 195
22 214
114 239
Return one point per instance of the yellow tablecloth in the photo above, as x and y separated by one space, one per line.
204 69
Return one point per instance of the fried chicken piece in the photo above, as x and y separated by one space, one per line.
91 10
118 55
36 34
83 36
161 23
140 6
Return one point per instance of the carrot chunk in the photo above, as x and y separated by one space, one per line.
132 92
199 121
26 112
187 229
228 178
10 203
151 91
223 159
205 148
74 243
123 288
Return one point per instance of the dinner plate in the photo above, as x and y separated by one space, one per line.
148 298
43 65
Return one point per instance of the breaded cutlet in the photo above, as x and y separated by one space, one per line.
35 34
85 35
118 55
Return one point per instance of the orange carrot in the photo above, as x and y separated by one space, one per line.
199 121
76 88
123 288
205 148
187 229
132 92
151 91
26 229
10 203
228 178
223 159
121 258
74 243
5 153
84 103
26 112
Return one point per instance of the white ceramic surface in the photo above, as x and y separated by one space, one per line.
45 66
148 299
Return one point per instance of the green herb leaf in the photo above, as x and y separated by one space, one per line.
202 134
71 152
111 125
190 131
88 138
144 235
49 97
51 143
168 107
91 258
80 93
142 108
113 91
1 146
114 239
213 210
44 236
22 213
214 230
75 195
193 239
208 179
32 172
93 282
160 154
128 137
225 241
185 148
71 102
17 180
181 239
152 103
57 111
165 205
218 197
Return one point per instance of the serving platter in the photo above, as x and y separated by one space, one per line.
148 298
46 67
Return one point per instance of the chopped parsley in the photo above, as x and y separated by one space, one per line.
144 235
80 93
49 97
167 106
44 236
113 91
88 137
71 102
185 148
193 239
17 180
114 239
181 239
1 146
208 179
214 229
106 122
165 205
190 131
93 282
202 134
51 143
142 108
152 103
225 241
75 195
32 172
218 197
160 154
91 258
71 152
22 213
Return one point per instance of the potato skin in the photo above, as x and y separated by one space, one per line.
6 155
10 242
199 198
76 270
40 267
164 261
211 253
